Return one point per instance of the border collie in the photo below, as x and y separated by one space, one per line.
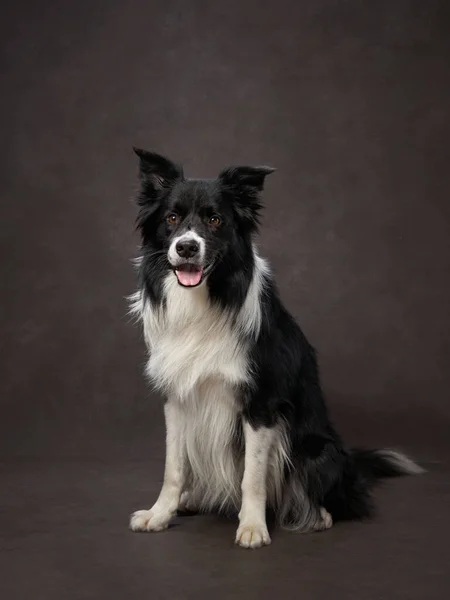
247 427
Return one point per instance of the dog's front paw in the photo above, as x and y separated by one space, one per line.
252 536
149 520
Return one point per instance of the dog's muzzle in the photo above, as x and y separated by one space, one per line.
186 255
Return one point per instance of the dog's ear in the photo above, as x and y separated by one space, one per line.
156 172
245 185
250 179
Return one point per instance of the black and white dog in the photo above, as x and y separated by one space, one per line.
247 425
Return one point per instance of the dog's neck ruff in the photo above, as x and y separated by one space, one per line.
192 340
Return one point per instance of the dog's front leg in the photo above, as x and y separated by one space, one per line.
252 531
157 518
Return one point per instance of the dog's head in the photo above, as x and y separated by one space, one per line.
191 225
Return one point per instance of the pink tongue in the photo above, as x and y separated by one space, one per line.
189 278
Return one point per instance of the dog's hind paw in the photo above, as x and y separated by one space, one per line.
186 505
325 521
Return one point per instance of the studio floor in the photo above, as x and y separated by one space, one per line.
64 535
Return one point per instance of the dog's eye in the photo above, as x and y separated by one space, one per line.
172 219
214 220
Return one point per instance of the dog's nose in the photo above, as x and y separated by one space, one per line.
187 248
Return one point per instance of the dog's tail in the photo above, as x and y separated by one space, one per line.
379 464
350 497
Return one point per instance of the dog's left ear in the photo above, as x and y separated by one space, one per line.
245 185
250 179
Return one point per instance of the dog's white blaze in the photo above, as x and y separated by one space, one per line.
197 357
189 235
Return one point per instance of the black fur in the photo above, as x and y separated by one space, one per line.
285 386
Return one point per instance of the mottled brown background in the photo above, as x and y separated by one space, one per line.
350 101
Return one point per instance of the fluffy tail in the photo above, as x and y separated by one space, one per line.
350 497
379 464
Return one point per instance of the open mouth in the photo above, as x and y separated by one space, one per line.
189 275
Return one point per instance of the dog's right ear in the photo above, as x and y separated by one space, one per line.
156 172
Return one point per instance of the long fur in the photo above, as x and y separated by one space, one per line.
228 351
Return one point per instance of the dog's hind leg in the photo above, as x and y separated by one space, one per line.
186 504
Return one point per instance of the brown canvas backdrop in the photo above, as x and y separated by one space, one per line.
349 100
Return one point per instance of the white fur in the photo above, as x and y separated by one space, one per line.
157 518
197 357
249 318
215 469
252 531
191 341
173 256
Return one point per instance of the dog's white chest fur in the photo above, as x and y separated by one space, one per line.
190 342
